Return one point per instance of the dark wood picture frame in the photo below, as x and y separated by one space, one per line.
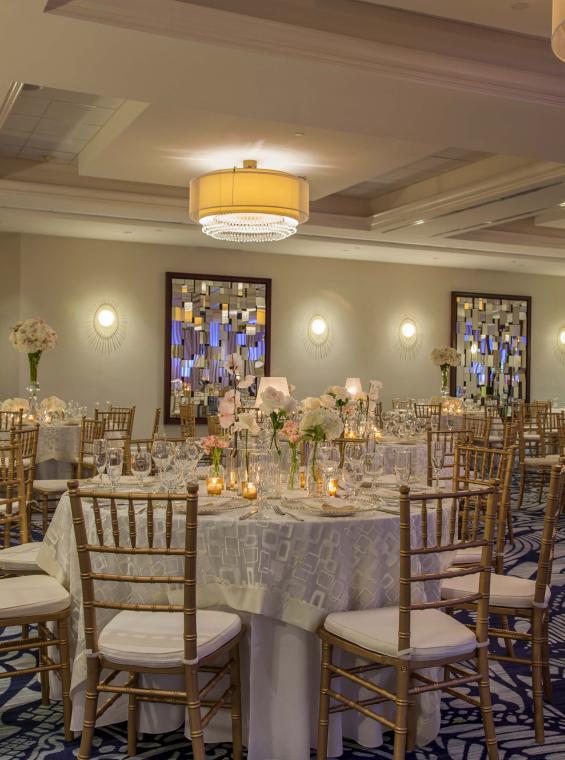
468 293
169 277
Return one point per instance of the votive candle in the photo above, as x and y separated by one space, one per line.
214 486
249 491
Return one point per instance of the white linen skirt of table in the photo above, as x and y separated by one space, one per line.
280 652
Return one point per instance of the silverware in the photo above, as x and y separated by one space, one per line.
279 511
248 514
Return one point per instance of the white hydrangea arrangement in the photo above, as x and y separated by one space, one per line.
15 404
445 356
32 336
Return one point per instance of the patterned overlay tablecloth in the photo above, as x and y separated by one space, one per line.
289 575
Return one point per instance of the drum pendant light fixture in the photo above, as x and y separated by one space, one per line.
249 205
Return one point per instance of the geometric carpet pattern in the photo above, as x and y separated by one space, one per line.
29 731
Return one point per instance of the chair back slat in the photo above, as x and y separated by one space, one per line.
13 512
9 420
126 525
415 544
117 419
550 525
448 440
187 420
479 427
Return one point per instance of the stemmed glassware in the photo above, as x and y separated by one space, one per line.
114 465
99 456
352 474
258 475
162 452
141 465
438 458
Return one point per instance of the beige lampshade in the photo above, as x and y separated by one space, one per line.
558 29
249 203
354 386
278 383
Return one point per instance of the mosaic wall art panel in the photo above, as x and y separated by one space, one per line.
209 318
492 335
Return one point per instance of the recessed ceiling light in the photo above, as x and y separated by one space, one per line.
562 204
299 134
420 221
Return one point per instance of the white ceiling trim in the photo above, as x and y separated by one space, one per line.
184 21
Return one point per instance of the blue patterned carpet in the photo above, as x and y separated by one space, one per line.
29 731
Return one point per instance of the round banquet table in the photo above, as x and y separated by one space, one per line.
283 577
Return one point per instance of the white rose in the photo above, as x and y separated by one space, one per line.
247 422
327 401
311 402
271 400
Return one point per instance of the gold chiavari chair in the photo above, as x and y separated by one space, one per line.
9 420
548 449
169 638
27 439
427 411
448 441
478 466
91 429
187 421
29 599
117 419
416 634
504 433
400 403
479 427
525 599
214 425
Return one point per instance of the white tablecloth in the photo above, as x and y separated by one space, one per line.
418 454
284 577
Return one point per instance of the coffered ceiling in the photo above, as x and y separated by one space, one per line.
424 140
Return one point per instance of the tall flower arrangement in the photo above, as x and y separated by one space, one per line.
291 433
33 337
445 357
336 397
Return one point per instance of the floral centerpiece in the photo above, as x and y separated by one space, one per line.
53 405
33 337
445 357
336 397
290 432
278 407
318 424
232 399
213 445
15 404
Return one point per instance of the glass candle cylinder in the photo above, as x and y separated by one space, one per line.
249 490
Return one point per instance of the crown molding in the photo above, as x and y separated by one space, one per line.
192 22
10 98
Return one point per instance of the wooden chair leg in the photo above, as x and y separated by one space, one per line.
541 485
547 685
508 643
63 634
401 718
194 717
133 718
486 704
324 707
90 708
510 524
522 484
412 722
235 678
537 675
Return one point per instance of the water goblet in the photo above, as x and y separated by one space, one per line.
114 465
374 467
438 457
352 474
402 467
99 456
141 464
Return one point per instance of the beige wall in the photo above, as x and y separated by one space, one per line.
63 279
9 311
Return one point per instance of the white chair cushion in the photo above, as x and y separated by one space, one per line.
505 590
469 556
547 461
50 486
434 634
21 558
531 437
88 459
30 595
155 639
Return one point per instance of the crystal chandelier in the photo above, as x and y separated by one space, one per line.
249 205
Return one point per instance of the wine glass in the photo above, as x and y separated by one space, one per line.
402 467
141 465
438 457
194 453
258 474
374 467
162 452
114 465
99 456
170 476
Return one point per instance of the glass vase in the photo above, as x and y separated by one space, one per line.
290 466
314 474
215 480
445 379
32 388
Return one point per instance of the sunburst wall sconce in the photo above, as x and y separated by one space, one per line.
249 205
408 338
106 328
318 338
560 343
